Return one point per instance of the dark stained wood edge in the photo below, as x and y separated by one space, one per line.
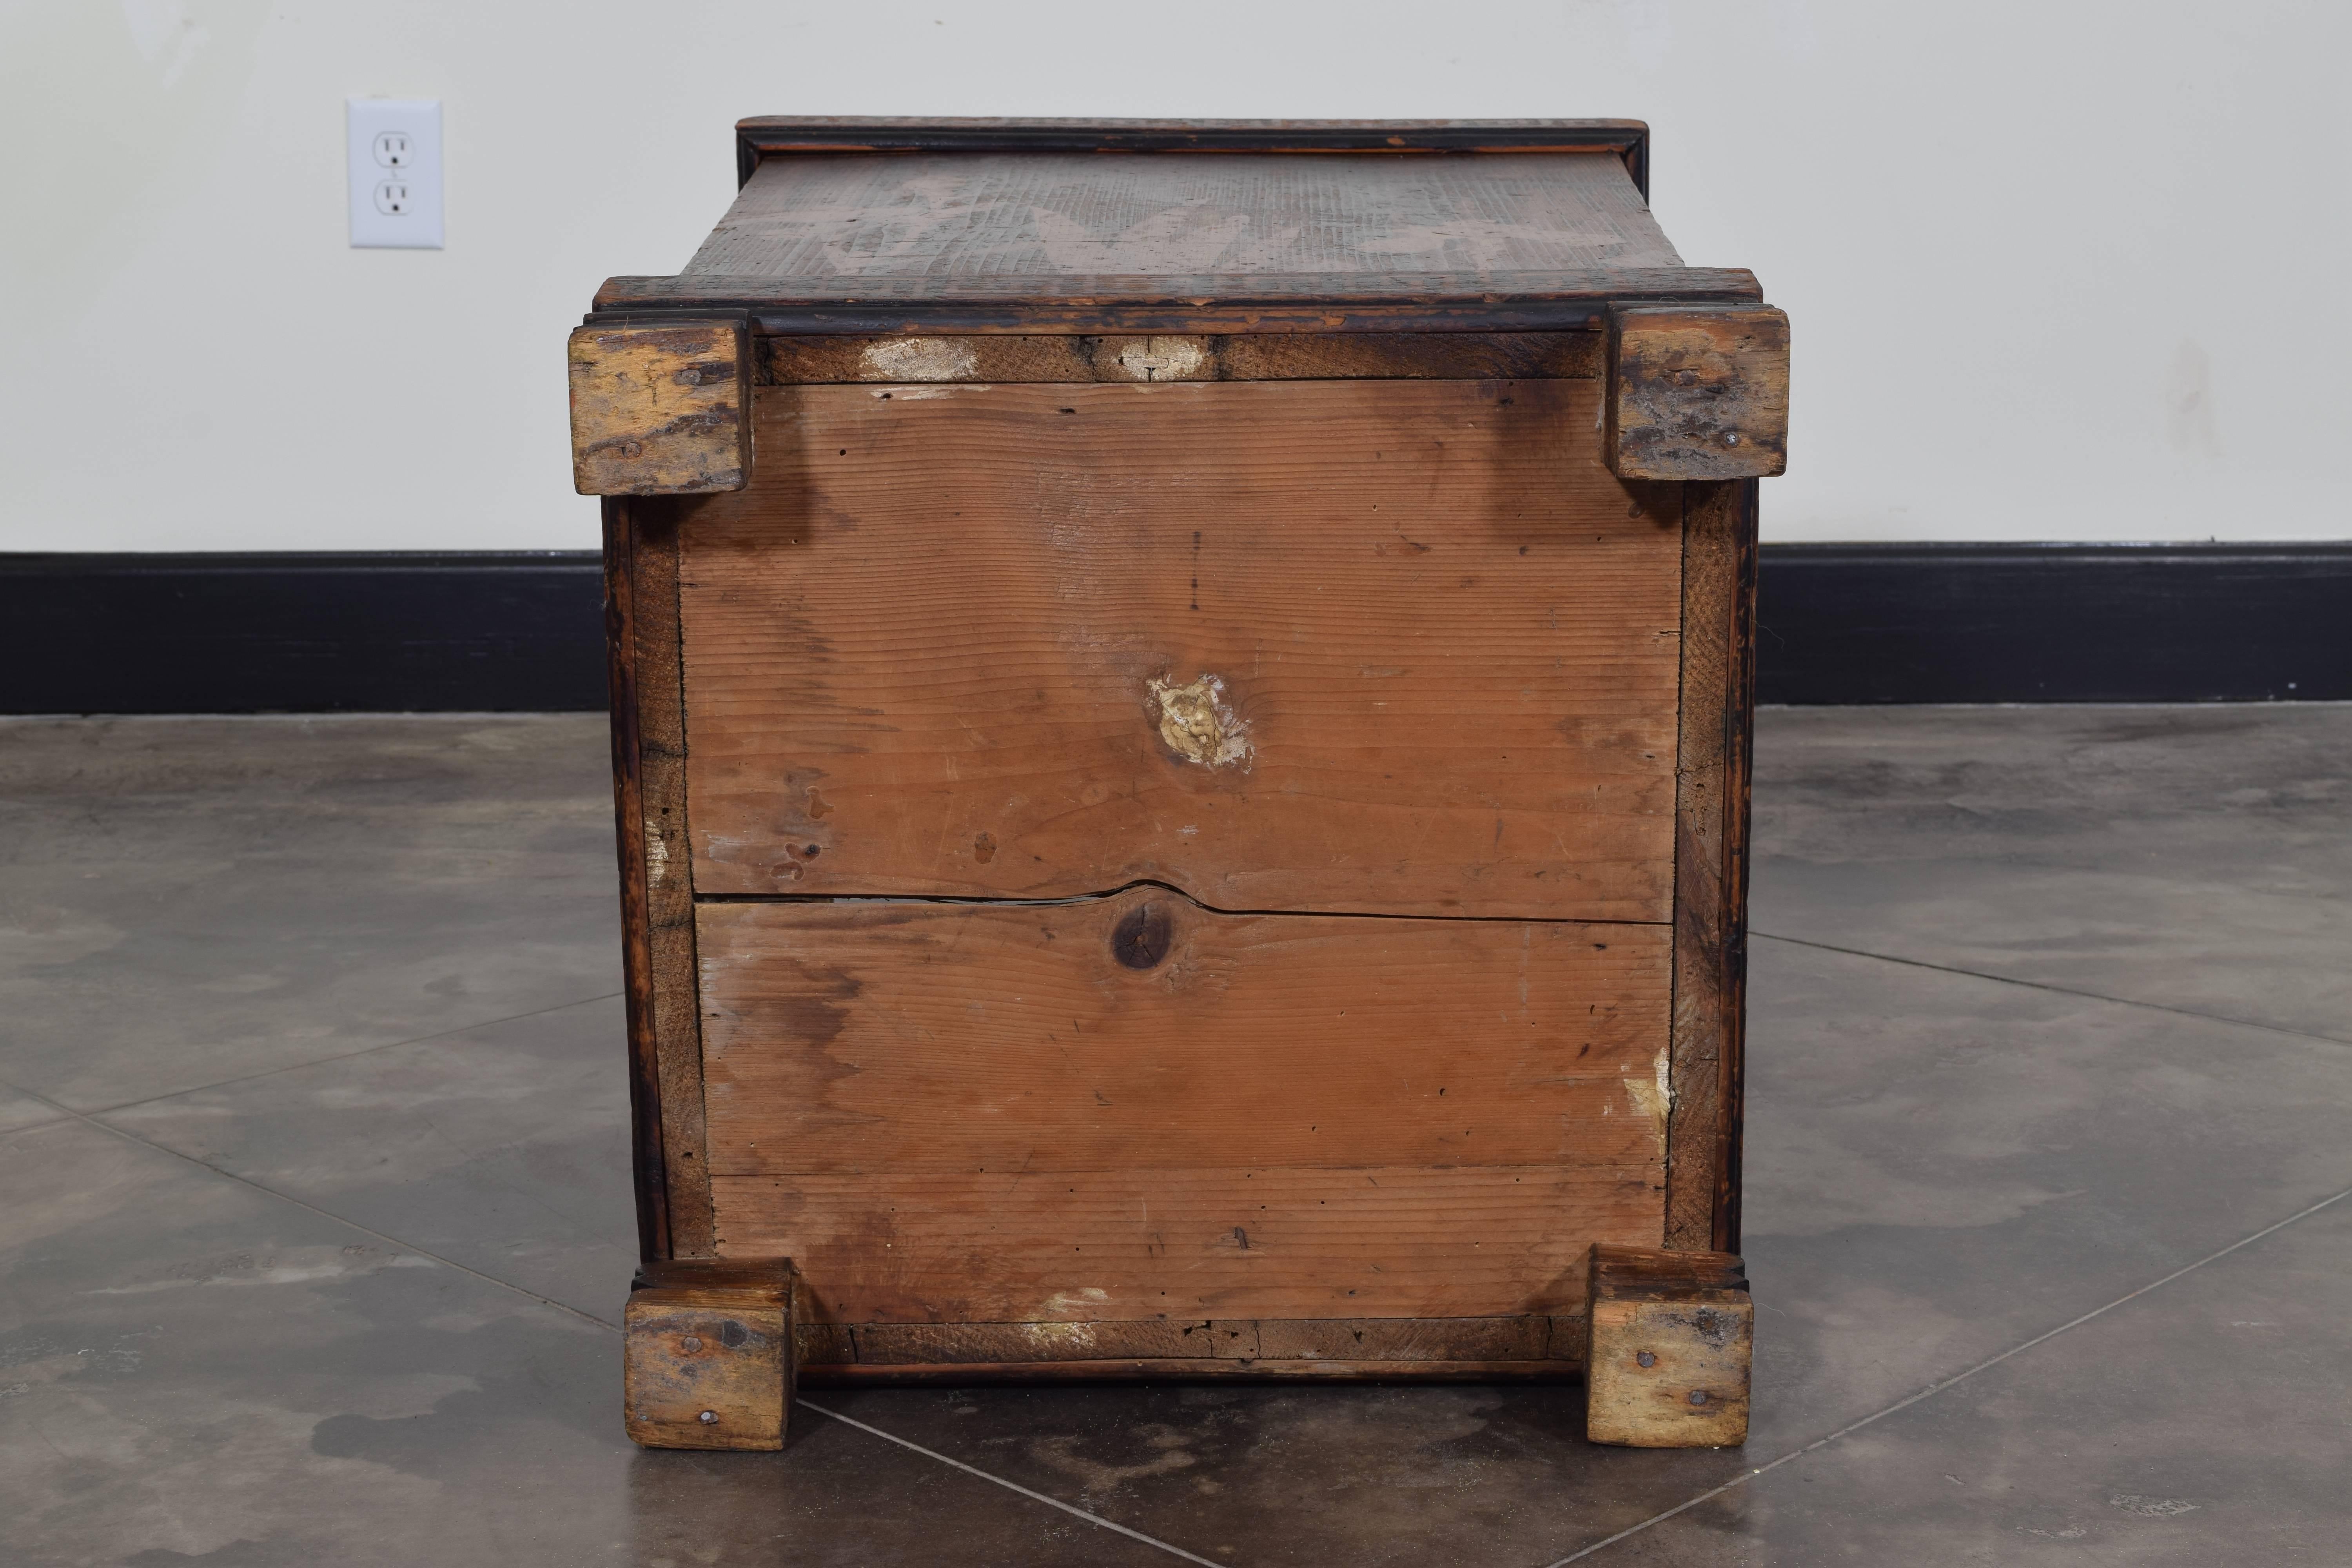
1203 1370
1262 303
772 1277
775 135
1711 816
647 1165
666 1018
1006 360
1652 1274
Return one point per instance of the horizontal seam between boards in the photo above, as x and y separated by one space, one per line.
831 899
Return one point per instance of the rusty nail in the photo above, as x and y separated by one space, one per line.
690 1344
1645 1358
1698 1397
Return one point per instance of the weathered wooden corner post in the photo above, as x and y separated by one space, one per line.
1182 697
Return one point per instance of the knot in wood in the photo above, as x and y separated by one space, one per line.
1140 938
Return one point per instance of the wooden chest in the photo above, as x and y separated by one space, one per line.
1181 713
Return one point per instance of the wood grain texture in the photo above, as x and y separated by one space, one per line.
648 1168
707 1362
1259 302
936 646
665 1013
1139 1242
1553 1341
1718 718
1697 393
764 136
996 223
660 410
1671 1339
901 1037
869 1375
1436 356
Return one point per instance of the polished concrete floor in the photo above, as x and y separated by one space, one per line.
314 1215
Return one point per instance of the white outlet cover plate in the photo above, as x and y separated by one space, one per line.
395 172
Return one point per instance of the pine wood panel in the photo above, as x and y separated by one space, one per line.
1144 1030
1033 1246
1402 647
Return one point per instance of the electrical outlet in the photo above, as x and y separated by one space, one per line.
395 172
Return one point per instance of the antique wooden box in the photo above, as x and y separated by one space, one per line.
1181 712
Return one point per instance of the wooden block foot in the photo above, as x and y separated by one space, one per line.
1671 1335
707 1354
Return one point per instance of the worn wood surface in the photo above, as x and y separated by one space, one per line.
864 1374
1001 223
1135 1242
658 900
1672 1334
1144 1030
660 410
708 1356
648 1168
1395 646
1437 356
1697 393
764 136
1552 1342
1716 717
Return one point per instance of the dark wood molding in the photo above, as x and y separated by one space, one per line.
778 135
645 1161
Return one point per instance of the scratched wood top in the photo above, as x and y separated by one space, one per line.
1388 647
1016 226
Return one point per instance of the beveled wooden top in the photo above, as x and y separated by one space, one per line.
1308 220
876 216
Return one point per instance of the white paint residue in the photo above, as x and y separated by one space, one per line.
1653 1099
1070 1303
1198 723
919 359
919 394
656 855
1163 359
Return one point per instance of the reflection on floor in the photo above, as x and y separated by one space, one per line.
317 1214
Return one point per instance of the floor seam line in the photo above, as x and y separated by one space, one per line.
322 1061
1094 1518
1937 1387
130 1137
2056 990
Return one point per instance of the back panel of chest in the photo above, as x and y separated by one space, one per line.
1217 852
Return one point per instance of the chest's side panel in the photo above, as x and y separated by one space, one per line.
1380 646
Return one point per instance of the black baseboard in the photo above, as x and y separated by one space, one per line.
325 633
2054 623
369 632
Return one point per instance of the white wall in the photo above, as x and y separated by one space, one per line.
2065 269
